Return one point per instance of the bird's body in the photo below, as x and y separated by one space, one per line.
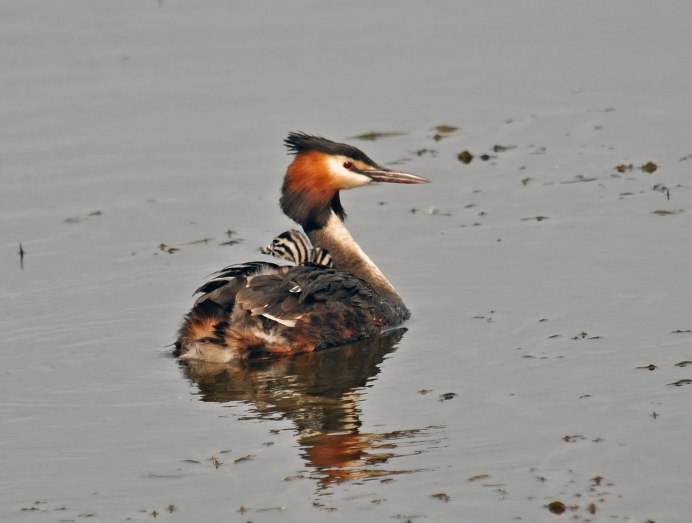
260 308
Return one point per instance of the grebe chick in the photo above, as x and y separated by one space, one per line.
294 246
263 309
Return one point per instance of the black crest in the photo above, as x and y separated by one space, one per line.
299 142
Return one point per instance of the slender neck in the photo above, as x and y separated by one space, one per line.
347 255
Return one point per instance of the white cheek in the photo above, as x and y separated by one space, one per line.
346 179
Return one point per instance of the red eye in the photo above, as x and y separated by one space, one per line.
348 165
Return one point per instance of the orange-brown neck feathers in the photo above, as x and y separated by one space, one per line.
309 176
309 194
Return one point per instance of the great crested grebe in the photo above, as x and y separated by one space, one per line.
263 309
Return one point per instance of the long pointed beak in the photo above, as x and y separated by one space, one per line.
381 174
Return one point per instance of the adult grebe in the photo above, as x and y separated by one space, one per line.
260 308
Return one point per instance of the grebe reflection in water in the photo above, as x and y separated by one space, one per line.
320 393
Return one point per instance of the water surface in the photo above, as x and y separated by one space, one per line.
546 360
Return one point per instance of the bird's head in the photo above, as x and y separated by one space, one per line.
320 169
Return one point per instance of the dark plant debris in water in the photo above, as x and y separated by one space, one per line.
248 457
376 135
243 509
573 438
170 249
478 477
662 212
580 178
503 148
648 167
442 131
556 507
441 496
21 256
585 335
487 318
590 500
680 383
321 506
430 211
465 157
659 187
42 506
424 150
231 241
65 513
77 219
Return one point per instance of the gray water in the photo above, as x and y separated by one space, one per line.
544 282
